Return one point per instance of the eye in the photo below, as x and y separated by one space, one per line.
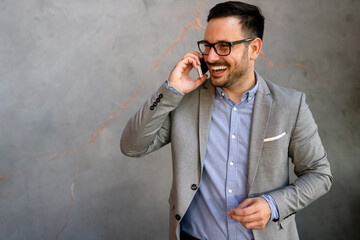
222 45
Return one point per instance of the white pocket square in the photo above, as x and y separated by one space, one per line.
275 138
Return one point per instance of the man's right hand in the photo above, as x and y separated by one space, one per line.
179 77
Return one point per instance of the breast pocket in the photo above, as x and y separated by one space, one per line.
275 140
275 150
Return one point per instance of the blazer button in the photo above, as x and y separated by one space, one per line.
177 217
160 95
158 100
194 187
152 108
155 104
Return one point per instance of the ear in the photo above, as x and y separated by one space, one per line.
255 48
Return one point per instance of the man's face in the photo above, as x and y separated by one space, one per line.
227 71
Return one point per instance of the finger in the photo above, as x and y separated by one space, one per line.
248 223
253 221
249 206
235 217
252 218
186 65
255 225
245 218
252 209
200 81
191 61
247 202
194 55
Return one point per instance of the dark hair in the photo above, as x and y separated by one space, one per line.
250 16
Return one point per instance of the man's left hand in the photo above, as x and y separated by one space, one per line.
253 213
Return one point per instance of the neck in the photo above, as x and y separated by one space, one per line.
243 85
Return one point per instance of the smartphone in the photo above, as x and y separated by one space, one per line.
203 68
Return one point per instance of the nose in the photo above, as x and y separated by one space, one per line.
212 56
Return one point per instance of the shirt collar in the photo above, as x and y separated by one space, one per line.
246 97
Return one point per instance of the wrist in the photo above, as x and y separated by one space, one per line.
173 88
273 207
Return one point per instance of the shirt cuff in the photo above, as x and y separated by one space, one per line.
273 207
172 88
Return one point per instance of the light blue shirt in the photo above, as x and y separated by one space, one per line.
225 172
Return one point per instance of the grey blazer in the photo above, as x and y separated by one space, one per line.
282 128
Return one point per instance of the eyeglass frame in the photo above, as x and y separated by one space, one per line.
230 44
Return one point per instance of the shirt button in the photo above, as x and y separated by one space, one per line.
222 94
231 163
230 190
177 217
235 108
233 136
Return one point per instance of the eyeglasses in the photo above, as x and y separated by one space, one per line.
221 48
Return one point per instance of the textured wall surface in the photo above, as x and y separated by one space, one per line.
73 72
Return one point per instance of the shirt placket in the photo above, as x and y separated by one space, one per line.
231 183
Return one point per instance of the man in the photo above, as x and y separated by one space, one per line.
231 138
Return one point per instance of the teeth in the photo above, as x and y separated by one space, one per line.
216 68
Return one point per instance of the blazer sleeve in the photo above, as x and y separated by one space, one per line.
149 129
311 166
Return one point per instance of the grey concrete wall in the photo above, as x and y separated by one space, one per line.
73 72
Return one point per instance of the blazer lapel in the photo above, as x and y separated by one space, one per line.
260 120
207 98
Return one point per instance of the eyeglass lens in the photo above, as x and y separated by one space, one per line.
221 48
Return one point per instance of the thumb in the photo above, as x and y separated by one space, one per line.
247 202
200 81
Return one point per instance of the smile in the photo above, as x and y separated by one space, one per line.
218 68
218 71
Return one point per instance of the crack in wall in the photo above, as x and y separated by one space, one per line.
93 137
